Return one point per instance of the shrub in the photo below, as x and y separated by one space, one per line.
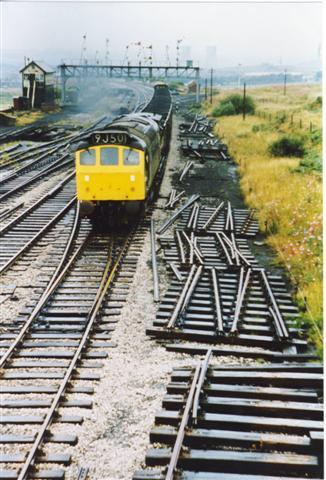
224 109
233 105
317 137
316 104
310 163
287 147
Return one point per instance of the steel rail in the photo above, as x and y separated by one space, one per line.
197 153
170 199
183 424
240 287
27 167
191 253
175 271
218 310
225 251
24 155
279 321
233 246
278 327
177 198
10 149
107 278
156 283
192 242
235 249
229 224
46 171
199 386
191 216
247 221
193 248
191 289
65 254
177 214
180 245
213 216
54 282
39 202
197 251
185 170
243 284
8 211
183 293
196 217
37 235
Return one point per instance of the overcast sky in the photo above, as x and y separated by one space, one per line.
246 33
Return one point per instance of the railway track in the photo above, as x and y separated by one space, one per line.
218 292
59 343
58 340
26 229
236 422
263 420
255 421
23 170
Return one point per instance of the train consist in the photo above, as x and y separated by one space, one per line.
117 168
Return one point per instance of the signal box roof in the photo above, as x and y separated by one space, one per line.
41 65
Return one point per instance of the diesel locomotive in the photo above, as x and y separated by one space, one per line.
117 168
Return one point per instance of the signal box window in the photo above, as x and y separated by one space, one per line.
130 157
87 157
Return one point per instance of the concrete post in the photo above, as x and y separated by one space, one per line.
197 86
63 83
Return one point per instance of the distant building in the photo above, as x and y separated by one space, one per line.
38 82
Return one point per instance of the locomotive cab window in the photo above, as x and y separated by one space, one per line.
87 157
109 156
130 157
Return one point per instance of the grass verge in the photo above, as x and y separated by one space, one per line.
286 191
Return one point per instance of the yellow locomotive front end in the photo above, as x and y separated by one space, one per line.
115 169
110 173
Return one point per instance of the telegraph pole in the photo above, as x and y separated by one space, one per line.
244 101
205 89
211 92
83 50
284 87
107 53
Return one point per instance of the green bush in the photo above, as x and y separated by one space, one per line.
316 104
224 109
287 147
317 137
234 105
311 162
